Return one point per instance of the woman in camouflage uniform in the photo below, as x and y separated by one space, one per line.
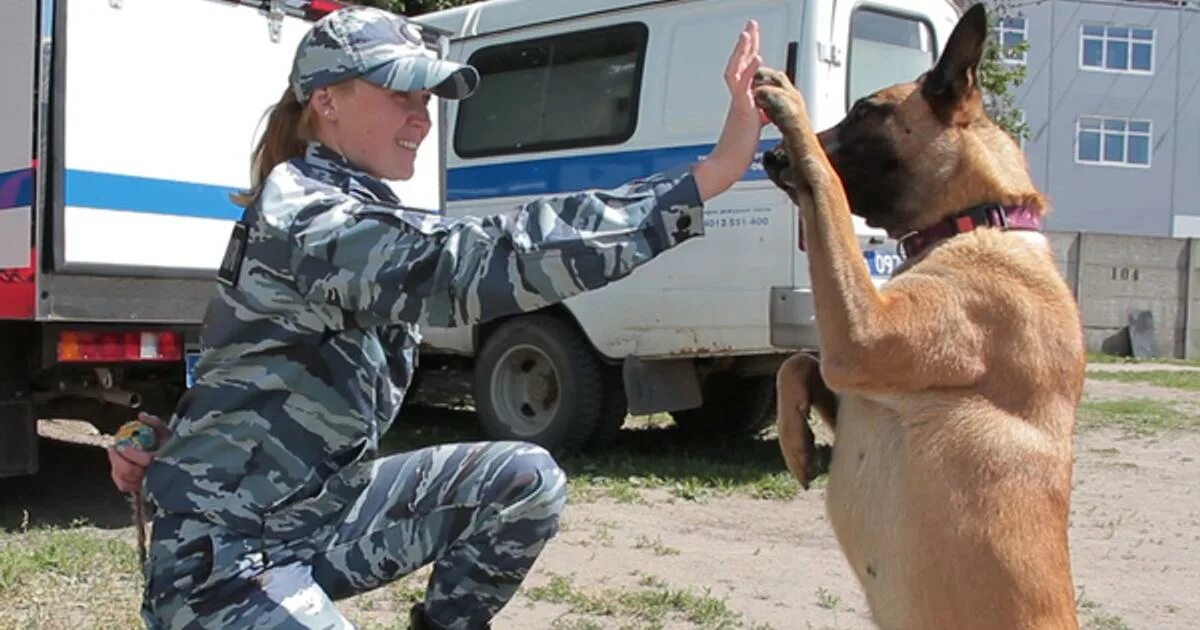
269 501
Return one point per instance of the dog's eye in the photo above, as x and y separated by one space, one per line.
860 110
864 108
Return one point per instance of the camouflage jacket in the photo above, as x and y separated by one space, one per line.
308 350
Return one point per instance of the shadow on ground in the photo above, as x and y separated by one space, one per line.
73 485
666 454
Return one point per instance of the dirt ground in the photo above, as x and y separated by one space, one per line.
667 559
1135 543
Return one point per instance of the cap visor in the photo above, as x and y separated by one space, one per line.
446 79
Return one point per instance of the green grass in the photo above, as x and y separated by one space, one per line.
1178 379
650 605
60 552
1139 416
1099 357
1093 617
655 545
827 600
68 578
755 470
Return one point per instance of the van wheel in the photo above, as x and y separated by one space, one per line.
733 406
537 380
613 411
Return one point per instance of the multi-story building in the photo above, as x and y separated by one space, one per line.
1111 98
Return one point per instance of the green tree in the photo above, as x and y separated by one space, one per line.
999 77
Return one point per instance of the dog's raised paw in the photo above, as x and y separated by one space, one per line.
776 96
770 76
775 103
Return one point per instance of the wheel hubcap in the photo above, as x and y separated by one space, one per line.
525 390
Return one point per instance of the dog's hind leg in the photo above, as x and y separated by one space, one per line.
800 390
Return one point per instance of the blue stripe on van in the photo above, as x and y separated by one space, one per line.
558 175
528 177
144 194
16 188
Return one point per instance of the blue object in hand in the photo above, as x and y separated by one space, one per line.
136 434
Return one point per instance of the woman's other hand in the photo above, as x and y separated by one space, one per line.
128 465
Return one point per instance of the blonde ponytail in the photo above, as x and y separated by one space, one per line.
289 128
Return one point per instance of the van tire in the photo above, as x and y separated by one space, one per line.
537 380
734 406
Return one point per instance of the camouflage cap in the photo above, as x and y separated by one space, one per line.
376 46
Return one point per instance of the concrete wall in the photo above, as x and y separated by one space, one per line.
1114 276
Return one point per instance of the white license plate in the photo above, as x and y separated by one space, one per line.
882 264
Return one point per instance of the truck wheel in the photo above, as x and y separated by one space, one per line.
733 406
537 380
613 411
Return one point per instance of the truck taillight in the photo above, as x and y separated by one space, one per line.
103 346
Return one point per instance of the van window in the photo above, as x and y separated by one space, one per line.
886 48
574 90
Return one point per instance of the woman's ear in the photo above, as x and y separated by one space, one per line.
323 104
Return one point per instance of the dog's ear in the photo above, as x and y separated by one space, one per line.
956 74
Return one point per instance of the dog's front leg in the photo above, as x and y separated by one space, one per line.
800 389
870 342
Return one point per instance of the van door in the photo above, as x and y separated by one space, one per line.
887 42
880 43
616 96
710 297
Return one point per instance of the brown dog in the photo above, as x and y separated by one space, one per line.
955 386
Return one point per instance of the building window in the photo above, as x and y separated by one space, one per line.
1116 141
1116 48
578 89
1012 32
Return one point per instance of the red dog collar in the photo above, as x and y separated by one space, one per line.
987 215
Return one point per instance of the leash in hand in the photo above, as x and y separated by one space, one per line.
139 435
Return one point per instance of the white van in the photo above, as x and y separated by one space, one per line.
592 93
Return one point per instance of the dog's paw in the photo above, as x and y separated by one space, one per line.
779 99
770 76
775 103
816 464
811 463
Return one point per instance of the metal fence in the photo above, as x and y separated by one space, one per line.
1118 278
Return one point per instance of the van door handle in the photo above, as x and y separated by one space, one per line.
790 68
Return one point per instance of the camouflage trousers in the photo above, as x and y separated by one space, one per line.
480 512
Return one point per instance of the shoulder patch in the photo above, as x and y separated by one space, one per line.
235 251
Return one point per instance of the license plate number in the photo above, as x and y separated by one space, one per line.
882 264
